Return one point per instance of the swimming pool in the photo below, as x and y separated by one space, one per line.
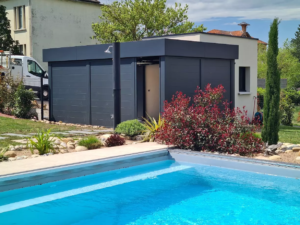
166 192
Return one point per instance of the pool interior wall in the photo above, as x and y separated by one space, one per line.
32 178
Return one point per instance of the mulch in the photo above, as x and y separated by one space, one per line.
7 116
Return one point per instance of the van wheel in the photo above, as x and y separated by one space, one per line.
45 93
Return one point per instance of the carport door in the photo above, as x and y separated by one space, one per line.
71 92
101 93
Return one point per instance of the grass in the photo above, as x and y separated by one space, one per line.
295 117
90 142
20 126
289 134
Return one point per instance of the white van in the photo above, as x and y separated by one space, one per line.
27 69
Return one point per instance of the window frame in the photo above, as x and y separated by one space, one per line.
20 17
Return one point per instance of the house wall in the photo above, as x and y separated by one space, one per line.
20 35
60 23
247 58
53 24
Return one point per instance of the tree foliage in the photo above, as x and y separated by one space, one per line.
296 43
131 20
6 41
272 97
288 64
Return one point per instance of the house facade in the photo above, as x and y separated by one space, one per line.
245 66
41 24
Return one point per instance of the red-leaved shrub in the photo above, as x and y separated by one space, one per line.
114 140
208 123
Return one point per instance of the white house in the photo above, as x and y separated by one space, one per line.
42 24
245 66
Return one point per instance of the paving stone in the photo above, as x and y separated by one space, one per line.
63 133
82 132
17 135
2 138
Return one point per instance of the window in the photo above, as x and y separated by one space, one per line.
19 17
244 79
16 61
34 68
22 49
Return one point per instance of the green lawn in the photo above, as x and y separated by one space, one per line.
289 134
296 114
20 126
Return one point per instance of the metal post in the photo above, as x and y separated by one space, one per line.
42 99
117 84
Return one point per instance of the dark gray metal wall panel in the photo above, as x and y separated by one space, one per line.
181 74
162 81
50 91
70 92
101 92
143 48
128 110
59 54
140 75
215 72
201 49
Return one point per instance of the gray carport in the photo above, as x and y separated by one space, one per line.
81 82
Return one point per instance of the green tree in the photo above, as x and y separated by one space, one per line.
272 97
6 41
131 20
288 64
296 43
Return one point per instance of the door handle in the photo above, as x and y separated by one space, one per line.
28 76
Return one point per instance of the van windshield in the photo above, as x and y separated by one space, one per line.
34 68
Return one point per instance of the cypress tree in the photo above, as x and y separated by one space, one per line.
272 98
6 41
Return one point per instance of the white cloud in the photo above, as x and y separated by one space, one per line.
233 23
203 10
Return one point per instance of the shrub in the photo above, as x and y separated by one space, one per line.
90 142
43 142
23 102
293 95
152 127
8 88
130 128
286 110
207 124
114 140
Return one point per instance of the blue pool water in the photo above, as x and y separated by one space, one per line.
166 192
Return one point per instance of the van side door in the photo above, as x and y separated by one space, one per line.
32 78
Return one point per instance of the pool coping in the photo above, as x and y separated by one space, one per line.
238 163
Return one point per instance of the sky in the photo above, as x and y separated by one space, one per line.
226 14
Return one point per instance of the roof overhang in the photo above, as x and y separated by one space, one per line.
155 47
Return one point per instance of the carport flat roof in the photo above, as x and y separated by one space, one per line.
159 47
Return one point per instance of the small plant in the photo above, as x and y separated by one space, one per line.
42 141
152 127
23 102
114 140
90 142
130 128
2 157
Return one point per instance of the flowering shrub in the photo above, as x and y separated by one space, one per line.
207 124
114 140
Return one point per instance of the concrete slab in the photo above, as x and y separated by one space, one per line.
48 162
17 135
2 138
